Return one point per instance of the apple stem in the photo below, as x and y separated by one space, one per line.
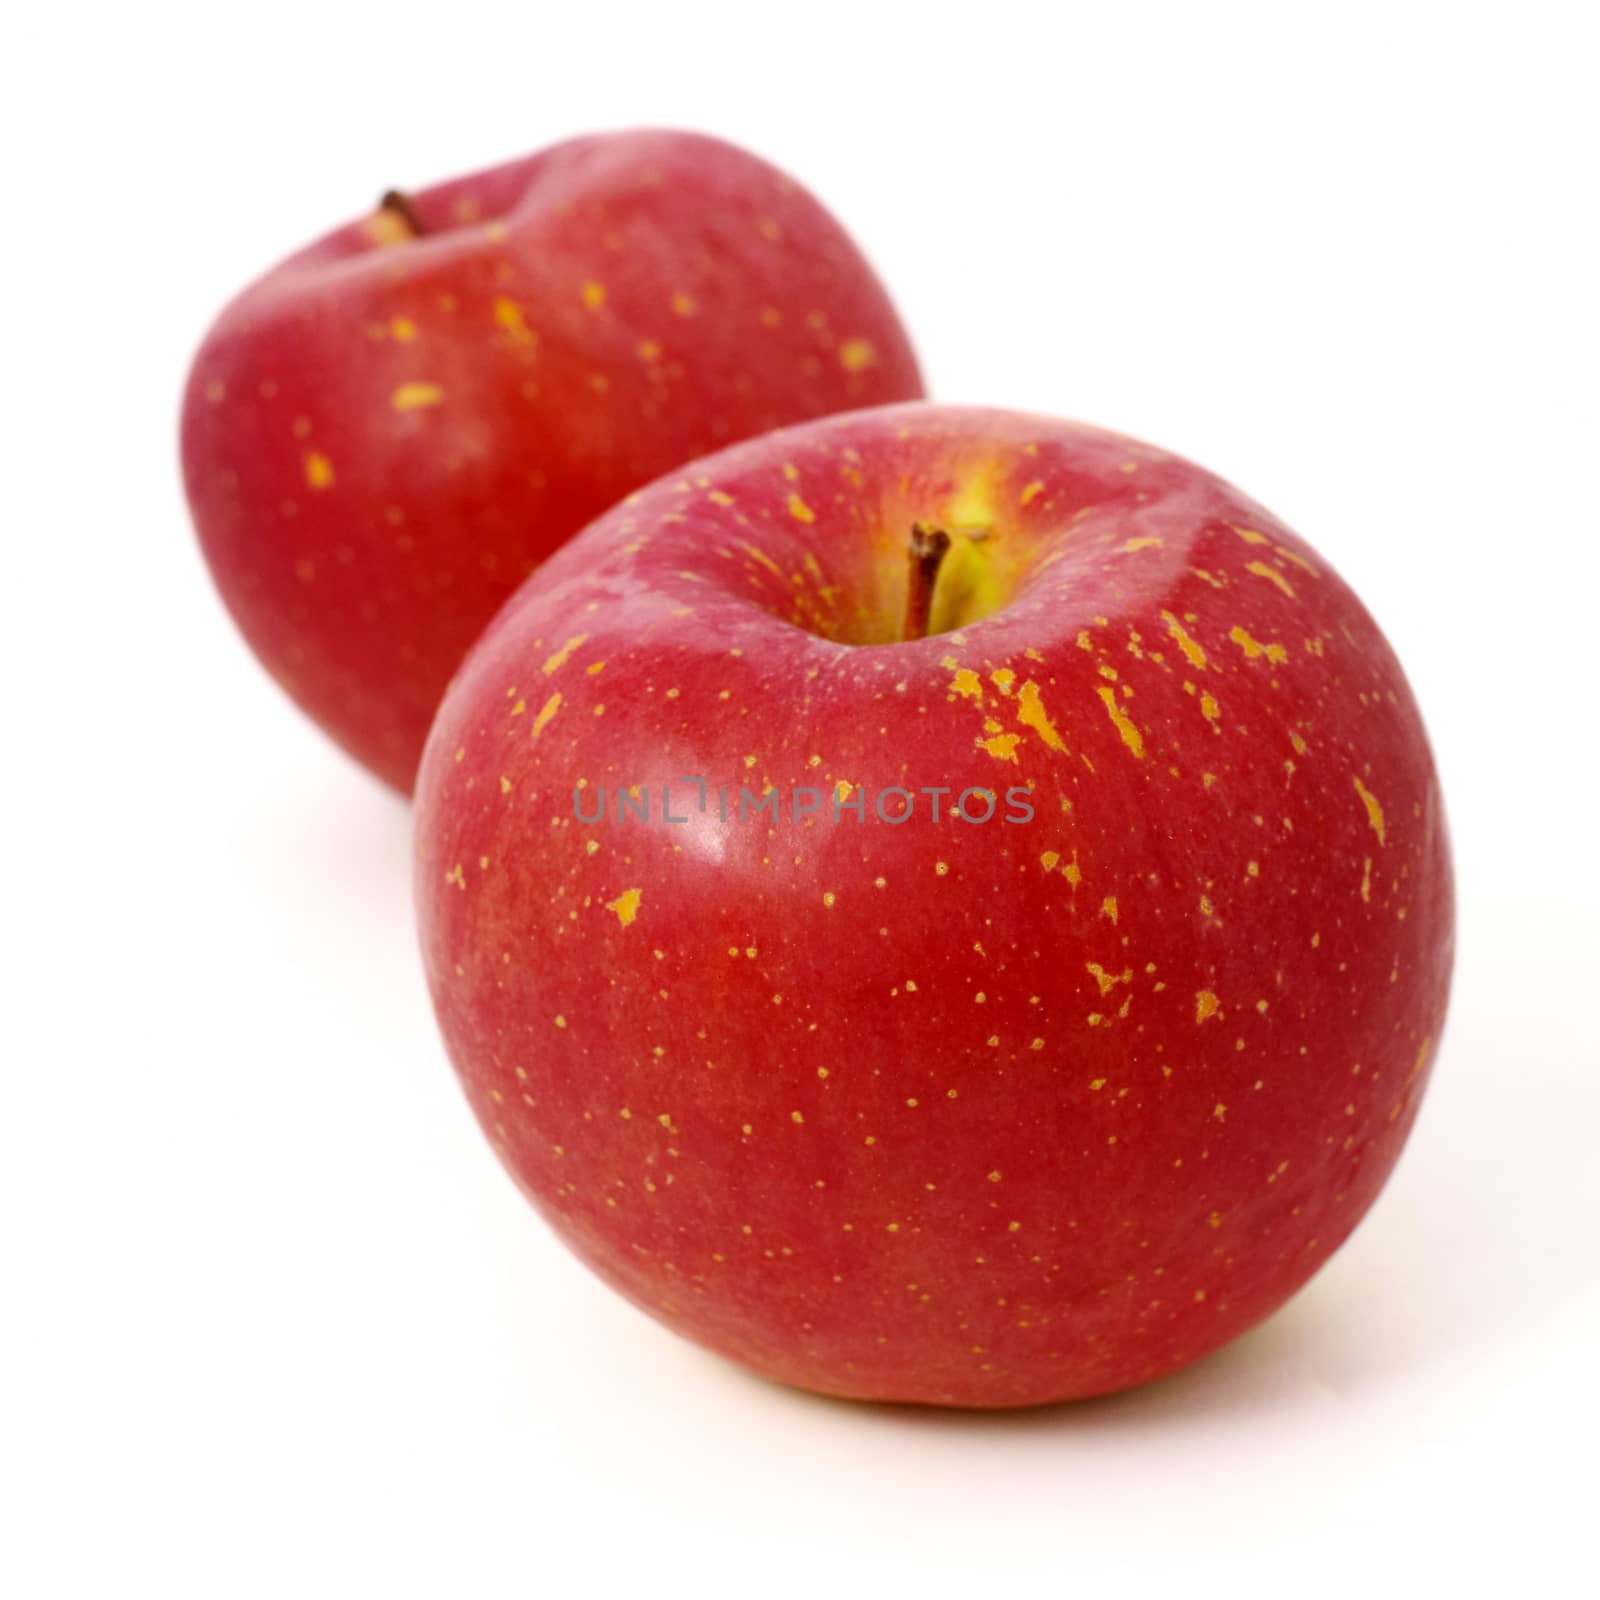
399 205
926 554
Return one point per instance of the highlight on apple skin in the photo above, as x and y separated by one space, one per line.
390 430
969 1112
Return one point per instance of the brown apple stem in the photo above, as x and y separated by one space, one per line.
399 205
926 554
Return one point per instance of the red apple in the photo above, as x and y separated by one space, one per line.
983 1111
390 430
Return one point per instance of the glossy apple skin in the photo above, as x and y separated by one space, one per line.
385 435
976 1115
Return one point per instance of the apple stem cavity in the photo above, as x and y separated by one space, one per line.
925 554
399 206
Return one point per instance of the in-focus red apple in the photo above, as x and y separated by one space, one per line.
974 1112
389 431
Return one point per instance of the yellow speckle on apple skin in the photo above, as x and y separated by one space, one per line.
416 397
856 355
626 906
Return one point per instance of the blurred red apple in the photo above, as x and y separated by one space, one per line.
1041 1099
390 430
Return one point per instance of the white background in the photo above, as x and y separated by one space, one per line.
271 1319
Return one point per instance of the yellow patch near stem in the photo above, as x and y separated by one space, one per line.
972 506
